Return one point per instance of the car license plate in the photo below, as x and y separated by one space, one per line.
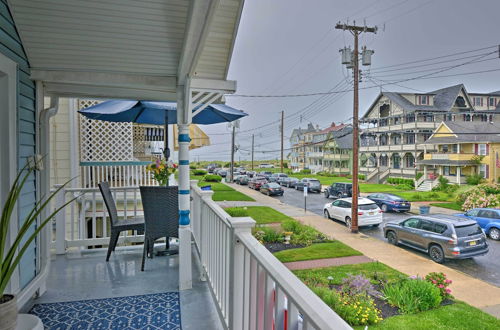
371 213
472 243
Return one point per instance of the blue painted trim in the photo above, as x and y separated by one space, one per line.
126 163
184 217
183 192
184 138
183 162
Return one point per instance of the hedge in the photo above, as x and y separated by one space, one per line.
408 182
212 178
199 172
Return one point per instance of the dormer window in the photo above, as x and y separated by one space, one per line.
460 102
423 99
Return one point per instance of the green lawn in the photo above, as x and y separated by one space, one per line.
456 316
261 214
419 196
370 269
326 180
223 192
452 206
377 187
333 249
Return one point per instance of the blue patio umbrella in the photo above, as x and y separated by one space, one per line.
158 113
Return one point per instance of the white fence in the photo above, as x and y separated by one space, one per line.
252 289
118 174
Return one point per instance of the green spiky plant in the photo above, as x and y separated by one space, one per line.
10 256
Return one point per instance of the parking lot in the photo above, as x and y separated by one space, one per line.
486 267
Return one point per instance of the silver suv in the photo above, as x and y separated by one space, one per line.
441 236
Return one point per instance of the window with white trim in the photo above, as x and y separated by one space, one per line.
478 101
491 102
482 170
481 149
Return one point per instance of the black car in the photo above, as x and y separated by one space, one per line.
271 188
313 185
339 190
390 202
241 179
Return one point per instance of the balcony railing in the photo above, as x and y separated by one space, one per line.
449 156
253 289
118 174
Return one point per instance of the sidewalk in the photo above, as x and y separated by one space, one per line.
466 288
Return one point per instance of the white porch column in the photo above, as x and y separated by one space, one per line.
183 121
459 169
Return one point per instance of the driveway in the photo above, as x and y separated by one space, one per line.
486 268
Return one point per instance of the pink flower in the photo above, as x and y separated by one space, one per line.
441 286
448 290
434 281
448 281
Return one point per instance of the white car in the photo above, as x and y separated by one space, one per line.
369 214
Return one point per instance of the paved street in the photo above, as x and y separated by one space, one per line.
486 267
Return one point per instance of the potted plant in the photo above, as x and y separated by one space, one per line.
162 170
10 255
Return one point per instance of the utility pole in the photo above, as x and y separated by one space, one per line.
356 31
282 124
232 153
253 142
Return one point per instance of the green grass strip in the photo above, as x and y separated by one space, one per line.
333 249
261 214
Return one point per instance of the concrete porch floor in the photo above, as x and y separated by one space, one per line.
86 275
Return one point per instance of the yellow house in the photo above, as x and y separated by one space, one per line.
462 149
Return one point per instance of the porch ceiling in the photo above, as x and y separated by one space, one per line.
126 48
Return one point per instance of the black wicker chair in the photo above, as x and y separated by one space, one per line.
117 226
161 214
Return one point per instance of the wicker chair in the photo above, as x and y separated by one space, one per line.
117 226
161 214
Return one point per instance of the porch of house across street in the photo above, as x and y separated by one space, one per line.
158 51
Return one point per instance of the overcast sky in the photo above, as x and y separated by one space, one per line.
291 47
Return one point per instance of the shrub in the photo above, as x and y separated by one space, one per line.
199 172
305 171
474 179
355 310
361 176
212 178
484 195
413 295
419 175
358 284
403 181
237 211
192 166
302 234
268 235
403 187
440 281
285 165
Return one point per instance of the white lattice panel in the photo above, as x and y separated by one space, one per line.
104 141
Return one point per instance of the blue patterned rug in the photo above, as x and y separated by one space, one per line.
152 311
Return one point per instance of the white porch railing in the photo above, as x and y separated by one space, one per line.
118 174
85 221
252 289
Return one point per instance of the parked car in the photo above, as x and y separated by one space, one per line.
276 176
271 188
265 165
281 179
241 179
222 173
313 185
265 174
441 236
339 190
289 182
369 214
211 168
486 218
256 183
390 202
251 173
